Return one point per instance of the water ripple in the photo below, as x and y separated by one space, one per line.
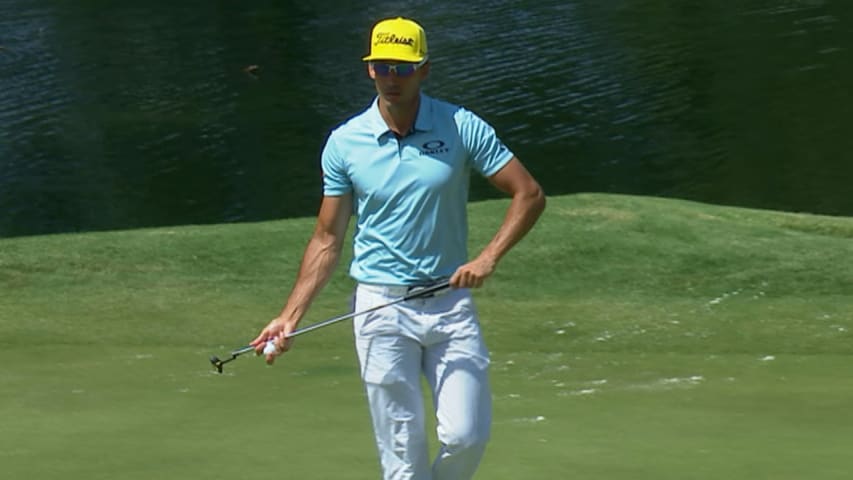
128 114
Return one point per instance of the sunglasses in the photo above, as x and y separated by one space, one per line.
399 69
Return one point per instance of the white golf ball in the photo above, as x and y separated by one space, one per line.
269 348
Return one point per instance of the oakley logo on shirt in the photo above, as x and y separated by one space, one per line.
434 147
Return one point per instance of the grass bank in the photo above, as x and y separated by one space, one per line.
631 337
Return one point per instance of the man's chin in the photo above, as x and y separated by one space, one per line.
398 99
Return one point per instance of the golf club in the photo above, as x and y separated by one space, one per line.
413 293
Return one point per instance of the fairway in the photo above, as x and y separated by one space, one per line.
631 338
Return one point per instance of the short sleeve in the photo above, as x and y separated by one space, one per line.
487 153
336 182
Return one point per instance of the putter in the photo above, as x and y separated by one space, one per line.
415 292
217 363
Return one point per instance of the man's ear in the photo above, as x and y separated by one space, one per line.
370 72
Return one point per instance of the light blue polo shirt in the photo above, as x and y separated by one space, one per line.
410 194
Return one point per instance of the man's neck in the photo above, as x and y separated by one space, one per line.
400 118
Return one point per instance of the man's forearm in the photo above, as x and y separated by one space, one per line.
318 263
523 212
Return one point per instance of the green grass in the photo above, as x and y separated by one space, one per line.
632 338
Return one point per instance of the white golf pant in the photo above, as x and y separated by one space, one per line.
440 338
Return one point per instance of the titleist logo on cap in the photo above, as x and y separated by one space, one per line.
385 38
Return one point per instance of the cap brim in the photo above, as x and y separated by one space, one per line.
393 58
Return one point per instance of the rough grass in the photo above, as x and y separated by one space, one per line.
632 338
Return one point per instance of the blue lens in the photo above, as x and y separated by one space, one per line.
382 69
400 69
405 69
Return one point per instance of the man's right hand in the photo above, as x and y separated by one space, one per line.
277 330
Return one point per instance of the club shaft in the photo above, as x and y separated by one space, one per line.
240 351
325 323
411 296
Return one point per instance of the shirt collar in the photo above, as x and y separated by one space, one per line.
423 121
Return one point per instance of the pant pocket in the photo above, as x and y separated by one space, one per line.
389 359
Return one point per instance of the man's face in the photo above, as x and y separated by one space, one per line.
397 83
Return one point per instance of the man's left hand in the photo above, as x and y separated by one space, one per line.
473 274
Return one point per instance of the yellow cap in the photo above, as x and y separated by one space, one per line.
397 39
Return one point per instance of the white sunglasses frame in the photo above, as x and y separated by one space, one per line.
392 67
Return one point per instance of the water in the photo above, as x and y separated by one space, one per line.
133 114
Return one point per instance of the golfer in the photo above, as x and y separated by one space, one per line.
403 167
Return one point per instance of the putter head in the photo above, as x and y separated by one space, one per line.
217 363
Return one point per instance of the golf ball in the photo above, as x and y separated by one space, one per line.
269 348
